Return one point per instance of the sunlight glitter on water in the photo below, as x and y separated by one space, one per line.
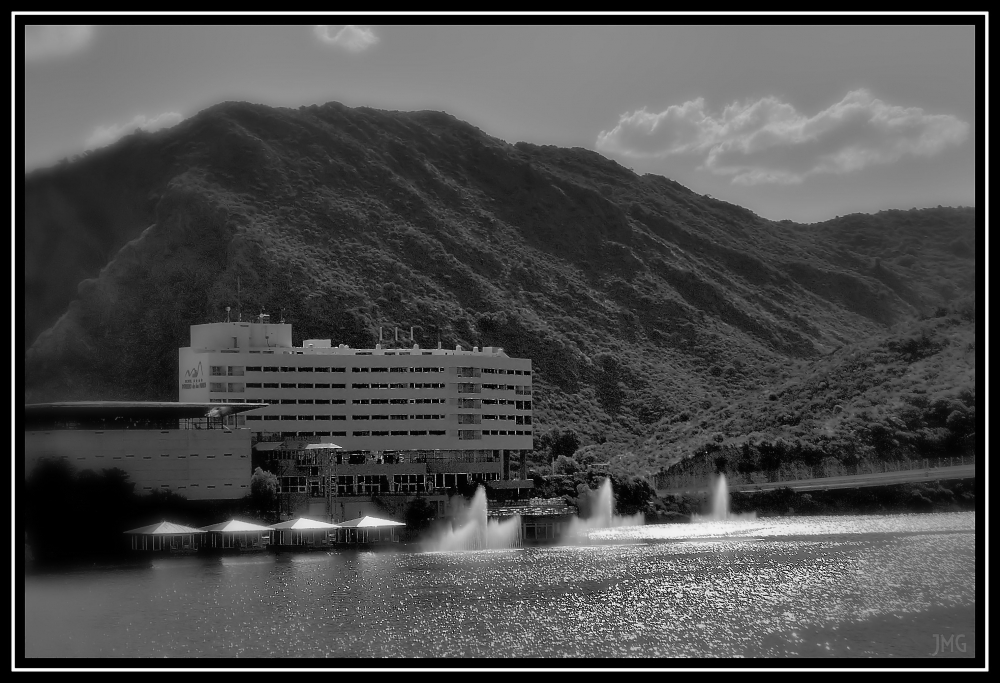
823 587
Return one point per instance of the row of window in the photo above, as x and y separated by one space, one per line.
418 432
516 419
189 485
150 457
412 432
275 368
276 418
394 401
234 387
518 405
239 370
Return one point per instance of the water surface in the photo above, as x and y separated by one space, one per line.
844 586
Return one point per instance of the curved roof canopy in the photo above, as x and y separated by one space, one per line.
235 526
304 523
132 409
368 523
164 528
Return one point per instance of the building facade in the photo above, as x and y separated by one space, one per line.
401 421
183 448
365 400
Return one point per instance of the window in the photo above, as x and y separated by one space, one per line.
235 387
194 486
235 370
217 371
418 432
254 417
360 433
380 417
402 433
380 433
338 386
321 369
216 386
285 385
360 386
270 385
359 369
285 368
322 386
271 368
305 401
288 401
164 455
253 368
441 432
211 486
209 456
253 385
322 401
272 417
305 386
360 417
305 369
227 455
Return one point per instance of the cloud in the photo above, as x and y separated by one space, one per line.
105 136
351 38
47 41
768 141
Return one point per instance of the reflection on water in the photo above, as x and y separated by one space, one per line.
822 586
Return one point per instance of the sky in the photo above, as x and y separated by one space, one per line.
792 122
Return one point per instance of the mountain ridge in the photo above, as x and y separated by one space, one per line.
625 290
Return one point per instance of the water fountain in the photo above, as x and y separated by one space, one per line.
719 505
720 499
471 529
600 505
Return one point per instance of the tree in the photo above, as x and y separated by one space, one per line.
263 494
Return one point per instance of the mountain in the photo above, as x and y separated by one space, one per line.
637 299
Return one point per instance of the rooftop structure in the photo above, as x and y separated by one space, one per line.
192 449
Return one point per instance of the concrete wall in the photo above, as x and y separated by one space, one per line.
198 464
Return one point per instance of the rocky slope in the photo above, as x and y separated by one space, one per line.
637 299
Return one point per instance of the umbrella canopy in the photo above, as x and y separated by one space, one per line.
304 523
164 528
235 526
367 522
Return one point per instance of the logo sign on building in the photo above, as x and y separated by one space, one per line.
194 378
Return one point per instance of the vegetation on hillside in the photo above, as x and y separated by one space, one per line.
658 320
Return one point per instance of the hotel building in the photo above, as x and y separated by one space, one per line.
403 420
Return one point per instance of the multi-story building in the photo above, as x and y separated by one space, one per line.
185 448
404 420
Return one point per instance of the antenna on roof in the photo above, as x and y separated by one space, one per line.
282 316
227 314
239 312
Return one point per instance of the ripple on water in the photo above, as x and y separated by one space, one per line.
825 586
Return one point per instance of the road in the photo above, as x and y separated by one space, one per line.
849 481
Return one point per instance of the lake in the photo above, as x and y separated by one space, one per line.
836 586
